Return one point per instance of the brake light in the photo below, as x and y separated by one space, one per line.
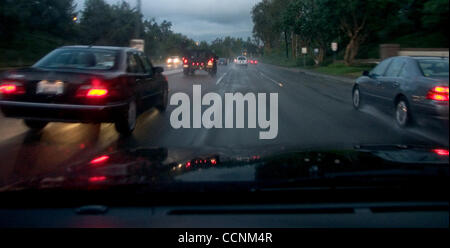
97 179
442 152
11 88
96 89
256 61
438 93
210 62
97 92
8 88
185 61
100 159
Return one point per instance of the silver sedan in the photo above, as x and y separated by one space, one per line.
410 88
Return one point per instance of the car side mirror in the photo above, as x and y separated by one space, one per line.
366 73
158 69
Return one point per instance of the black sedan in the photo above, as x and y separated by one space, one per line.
88 84
411 88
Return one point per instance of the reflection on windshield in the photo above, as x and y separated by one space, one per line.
82 80
79 59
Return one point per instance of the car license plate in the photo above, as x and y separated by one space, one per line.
52 88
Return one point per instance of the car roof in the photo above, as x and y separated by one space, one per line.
101 47
430 57
422 57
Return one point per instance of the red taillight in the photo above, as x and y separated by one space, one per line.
185 61
97 92
438 93
442 152
256 61
11 88
97 179
100 159
96 89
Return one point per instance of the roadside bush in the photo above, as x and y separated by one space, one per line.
308 61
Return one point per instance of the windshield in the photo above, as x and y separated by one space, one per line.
87 59
434 68
173 93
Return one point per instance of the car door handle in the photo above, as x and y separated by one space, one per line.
396 84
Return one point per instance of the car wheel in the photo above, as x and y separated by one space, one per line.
356 98
127 124
402 113
186 72
35 125
164 99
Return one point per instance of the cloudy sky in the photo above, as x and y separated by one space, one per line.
200 19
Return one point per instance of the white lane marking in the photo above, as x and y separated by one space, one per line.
220 79
275 82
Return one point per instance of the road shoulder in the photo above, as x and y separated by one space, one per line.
315 74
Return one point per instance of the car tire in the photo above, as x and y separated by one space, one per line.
356 98
402 113
164 99
186 72
35 125
127 124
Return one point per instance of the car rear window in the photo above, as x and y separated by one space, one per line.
241 58
88 59
434 67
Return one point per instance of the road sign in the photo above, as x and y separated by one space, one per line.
304 50
334 46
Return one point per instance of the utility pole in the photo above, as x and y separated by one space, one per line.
287 45
137 32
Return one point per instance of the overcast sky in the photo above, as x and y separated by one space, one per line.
200 19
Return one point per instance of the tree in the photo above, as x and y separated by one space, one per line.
93 25
435 16
310 20
356 18
266 19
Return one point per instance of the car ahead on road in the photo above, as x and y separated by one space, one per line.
241 61
199 59
173 60
411 88
223 61
88 84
